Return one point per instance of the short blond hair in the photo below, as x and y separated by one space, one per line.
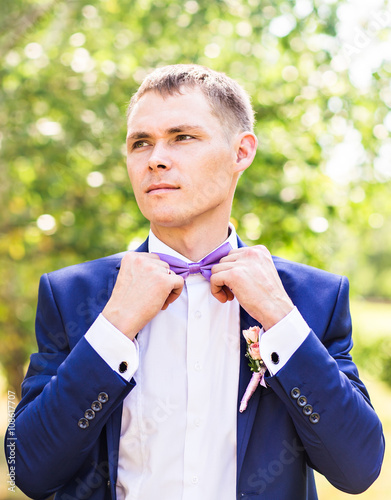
229 102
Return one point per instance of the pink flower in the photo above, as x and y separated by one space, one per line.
252 335
253 350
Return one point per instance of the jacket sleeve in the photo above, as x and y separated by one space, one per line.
54 434
330 406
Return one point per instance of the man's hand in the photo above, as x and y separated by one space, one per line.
249 274
144 286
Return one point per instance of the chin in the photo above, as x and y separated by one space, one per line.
165 219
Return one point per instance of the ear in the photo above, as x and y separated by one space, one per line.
246 147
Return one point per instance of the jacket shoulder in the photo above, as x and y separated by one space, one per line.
93 272
315 293
304 272
88 266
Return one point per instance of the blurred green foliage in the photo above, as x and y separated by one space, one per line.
318 191
375 357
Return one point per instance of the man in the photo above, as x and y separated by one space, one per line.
134 392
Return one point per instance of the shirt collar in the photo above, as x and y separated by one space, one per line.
157 246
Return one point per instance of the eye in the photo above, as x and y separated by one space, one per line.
139 144
184 137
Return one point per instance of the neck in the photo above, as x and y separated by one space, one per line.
193 243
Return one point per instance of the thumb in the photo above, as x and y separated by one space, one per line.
219 290
175 292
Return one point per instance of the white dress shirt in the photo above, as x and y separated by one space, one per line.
178 432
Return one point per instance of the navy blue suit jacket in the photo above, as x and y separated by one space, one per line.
314 414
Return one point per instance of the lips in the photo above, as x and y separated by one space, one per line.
160 188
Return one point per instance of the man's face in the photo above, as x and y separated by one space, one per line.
180 162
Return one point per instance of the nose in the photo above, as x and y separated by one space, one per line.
159 158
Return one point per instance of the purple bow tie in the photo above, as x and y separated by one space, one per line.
204 266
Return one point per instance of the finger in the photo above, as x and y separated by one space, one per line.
236 250
158 260
223 294
229 293
147 255
218 287
222 266
234 255
175 292
154 255
220 295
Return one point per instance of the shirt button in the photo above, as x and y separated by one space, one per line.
198 314
194 479
197 366
197 422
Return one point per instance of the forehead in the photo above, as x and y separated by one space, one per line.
155 109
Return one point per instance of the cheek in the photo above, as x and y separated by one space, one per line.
210 189
133 175
217 176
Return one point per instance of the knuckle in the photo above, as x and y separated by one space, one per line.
259 251
127 258
264 249
252 251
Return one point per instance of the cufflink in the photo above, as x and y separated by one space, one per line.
275 358
123 366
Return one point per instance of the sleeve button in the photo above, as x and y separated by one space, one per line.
89 414
307 410
295 392
96 405
83 423
314 418
103 397
302 401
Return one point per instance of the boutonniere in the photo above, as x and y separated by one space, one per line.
257 366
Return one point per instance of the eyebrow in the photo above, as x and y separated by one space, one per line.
135 136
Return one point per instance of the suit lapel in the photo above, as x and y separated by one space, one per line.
245 420
113 430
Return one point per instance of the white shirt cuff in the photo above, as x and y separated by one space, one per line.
119 352
277 344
